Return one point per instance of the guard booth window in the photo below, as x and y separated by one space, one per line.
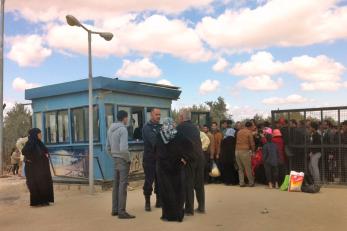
80 124
38 120
109 113
51 127
63 126
135 122
57 126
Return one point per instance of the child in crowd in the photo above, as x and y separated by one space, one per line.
271 161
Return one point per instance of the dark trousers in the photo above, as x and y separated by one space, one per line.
194 174
207 167
15 169
149 168
271 173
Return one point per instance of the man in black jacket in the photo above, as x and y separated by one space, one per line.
194 169
149 134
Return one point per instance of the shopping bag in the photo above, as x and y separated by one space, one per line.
285 184
257 160
295 181
214 171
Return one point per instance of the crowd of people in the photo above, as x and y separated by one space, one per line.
178 159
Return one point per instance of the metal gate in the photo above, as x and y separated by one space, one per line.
294 125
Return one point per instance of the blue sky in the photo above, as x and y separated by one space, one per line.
271 54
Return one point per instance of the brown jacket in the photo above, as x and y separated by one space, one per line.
245 140
210 149
217 140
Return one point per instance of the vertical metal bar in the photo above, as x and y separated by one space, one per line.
305 144
91 136
1 84
323 150
339 160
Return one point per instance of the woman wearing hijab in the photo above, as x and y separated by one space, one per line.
37 170
228 171
172 151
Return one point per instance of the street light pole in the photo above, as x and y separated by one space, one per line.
72 21
91 133
2 85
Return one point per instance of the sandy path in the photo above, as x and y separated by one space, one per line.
228 208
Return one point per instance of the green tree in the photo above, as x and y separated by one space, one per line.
260 119
17 123
218 109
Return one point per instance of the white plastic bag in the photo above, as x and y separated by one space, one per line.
214 171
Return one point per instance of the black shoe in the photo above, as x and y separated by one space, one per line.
201 211
114 214
189 214
148 204
242 185
126 216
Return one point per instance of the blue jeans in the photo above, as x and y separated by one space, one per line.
120 184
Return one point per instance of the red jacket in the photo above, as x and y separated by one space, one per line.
280 145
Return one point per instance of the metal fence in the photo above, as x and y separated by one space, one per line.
295 127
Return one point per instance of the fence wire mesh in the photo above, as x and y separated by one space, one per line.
296 128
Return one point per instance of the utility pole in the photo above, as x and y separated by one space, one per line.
2 85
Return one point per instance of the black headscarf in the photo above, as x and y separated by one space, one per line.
33 140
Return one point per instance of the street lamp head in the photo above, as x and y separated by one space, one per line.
72 21
106 35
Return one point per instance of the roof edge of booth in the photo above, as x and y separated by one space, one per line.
104 83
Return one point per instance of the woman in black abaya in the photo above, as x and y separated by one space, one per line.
171 149
37 170
227 158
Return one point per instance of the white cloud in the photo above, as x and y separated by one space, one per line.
209 86
246 112
154 34
143 68
28 51
164 82
319 73
290 100
49 10
319 68
220 65
260 83
321 86
277 23
261 63
20 84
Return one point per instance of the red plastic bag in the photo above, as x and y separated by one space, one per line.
257 160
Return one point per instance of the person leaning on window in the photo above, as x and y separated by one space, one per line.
117 146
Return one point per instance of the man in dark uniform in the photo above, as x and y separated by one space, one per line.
149 133
194 170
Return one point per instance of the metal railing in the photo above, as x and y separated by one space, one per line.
295 127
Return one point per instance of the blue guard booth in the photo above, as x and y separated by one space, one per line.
61 112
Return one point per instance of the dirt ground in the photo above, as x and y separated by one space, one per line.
228 208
